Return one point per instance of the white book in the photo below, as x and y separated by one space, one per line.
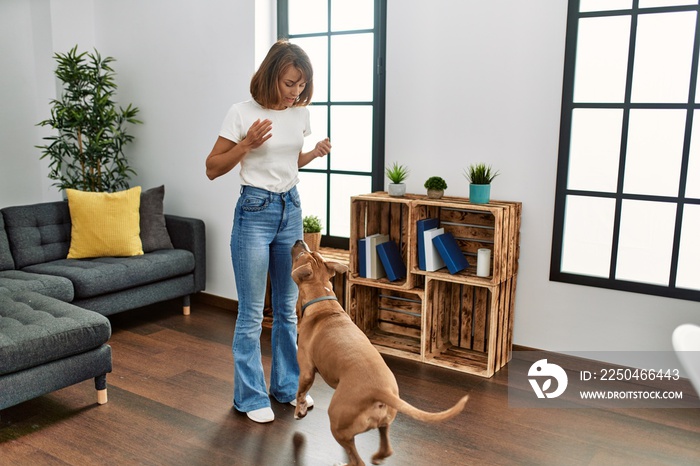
368 254
433 260
375 269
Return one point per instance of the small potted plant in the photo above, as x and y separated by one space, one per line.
397 174
436 187
480 176
312 232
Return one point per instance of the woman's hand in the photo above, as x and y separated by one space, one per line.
227 154
322 148
257 134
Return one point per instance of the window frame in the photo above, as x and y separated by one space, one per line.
378 104
562 190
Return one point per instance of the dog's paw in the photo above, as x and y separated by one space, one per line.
380 456
299 412
301 409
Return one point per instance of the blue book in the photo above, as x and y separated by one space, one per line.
390 256
362 257
449 251
422 226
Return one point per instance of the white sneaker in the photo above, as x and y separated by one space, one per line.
261 415
309 402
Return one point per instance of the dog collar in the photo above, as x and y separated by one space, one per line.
313 301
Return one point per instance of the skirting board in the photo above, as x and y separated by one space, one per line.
218 301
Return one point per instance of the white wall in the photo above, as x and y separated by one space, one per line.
183 63
25 87
481 82
467 81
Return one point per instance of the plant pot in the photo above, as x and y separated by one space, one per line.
435 193
397 189
313 240
479 193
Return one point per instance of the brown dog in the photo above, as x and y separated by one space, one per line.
366 393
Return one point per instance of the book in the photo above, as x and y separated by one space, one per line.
421 227
390 255
449 251
374 265
367 253
433 261
362 257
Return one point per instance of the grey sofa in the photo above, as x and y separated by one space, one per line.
34 243
46 345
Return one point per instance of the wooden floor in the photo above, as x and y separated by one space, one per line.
170 404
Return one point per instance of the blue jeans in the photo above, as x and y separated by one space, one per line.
265 226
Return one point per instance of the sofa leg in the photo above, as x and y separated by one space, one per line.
186 305
101 387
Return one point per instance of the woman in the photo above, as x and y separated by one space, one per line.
265 135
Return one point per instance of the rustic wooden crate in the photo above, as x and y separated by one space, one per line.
381 213
466 322
392 319
469 328
495 226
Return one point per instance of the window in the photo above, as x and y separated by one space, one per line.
345 40
627 212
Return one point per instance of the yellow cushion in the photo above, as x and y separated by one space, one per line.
104 224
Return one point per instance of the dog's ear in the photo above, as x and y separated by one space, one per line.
302 273
335 267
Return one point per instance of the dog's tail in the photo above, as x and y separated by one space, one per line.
405 408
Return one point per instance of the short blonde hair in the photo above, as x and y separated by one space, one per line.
282 55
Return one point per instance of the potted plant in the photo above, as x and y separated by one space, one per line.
480 176
87 153
436 187
397 173
312 232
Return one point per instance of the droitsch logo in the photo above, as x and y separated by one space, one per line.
543 371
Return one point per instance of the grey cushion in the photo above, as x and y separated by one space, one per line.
38 233
108 304
36 329
189 233
154 234
49 285
6 262
94 277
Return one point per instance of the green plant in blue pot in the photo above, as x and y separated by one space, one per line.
480 176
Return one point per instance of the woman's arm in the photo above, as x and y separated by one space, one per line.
226 154
322 148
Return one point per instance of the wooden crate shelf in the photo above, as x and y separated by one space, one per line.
466 322
468 327
392 319
495 226
386 215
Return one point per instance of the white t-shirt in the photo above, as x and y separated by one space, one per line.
274 165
